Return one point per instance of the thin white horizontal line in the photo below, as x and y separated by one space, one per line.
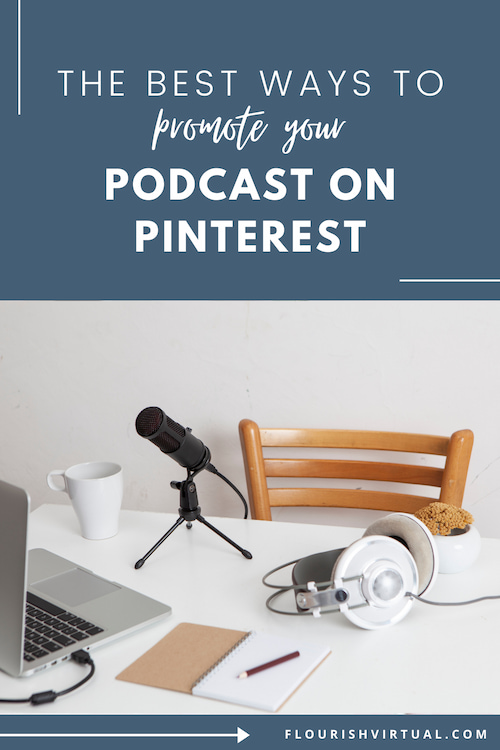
449 281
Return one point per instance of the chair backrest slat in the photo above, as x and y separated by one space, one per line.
393 502
399 442
369 470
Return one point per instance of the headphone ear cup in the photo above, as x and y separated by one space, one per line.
417 538
317 567
377 572
336 562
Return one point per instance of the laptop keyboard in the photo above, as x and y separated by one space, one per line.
50 628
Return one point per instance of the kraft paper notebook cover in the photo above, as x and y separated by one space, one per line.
214 657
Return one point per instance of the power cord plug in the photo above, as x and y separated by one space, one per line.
82 657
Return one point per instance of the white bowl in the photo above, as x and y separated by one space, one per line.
459 550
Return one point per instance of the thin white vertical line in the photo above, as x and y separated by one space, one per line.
18 57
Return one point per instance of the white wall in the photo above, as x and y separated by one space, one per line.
74 375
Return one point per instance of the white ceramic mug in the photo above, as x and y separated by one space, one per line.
96 491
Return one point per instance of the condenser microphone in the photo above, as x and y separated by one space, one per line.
172 438
179 443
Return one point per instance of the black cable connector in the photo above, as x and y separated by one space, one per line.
49 696
38 698
81 657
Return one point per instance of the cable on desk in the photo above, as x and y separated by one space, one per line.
49 696
284 589
452 604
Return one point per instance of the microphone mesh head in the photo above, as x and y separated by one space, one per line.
150 420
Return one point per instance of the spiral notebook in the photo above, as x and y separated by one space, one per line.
206 661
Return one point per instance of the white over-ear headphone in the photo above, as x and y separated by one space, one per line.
373 581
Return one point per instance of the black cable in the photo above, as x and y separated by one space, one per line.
49 696
211 468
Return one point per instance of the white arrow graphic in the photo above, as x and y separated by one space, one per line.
240 735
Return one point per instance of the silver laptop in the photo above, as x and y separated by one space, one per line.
51 607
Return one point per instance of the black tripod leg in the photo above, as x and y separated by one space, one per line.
244 552
141 562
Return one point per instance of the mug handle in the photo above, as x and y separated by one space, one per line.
52 484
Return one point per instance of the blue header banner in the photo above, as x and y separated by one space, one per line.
264 150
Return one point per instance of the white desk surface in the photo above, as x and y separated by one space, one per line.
438 660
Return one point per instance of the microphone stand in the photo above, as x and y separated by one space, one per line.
190 511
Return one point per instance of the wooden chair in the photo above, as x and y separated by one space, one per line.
450 479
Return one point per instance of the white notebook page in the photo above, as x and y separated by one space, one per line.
266 690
